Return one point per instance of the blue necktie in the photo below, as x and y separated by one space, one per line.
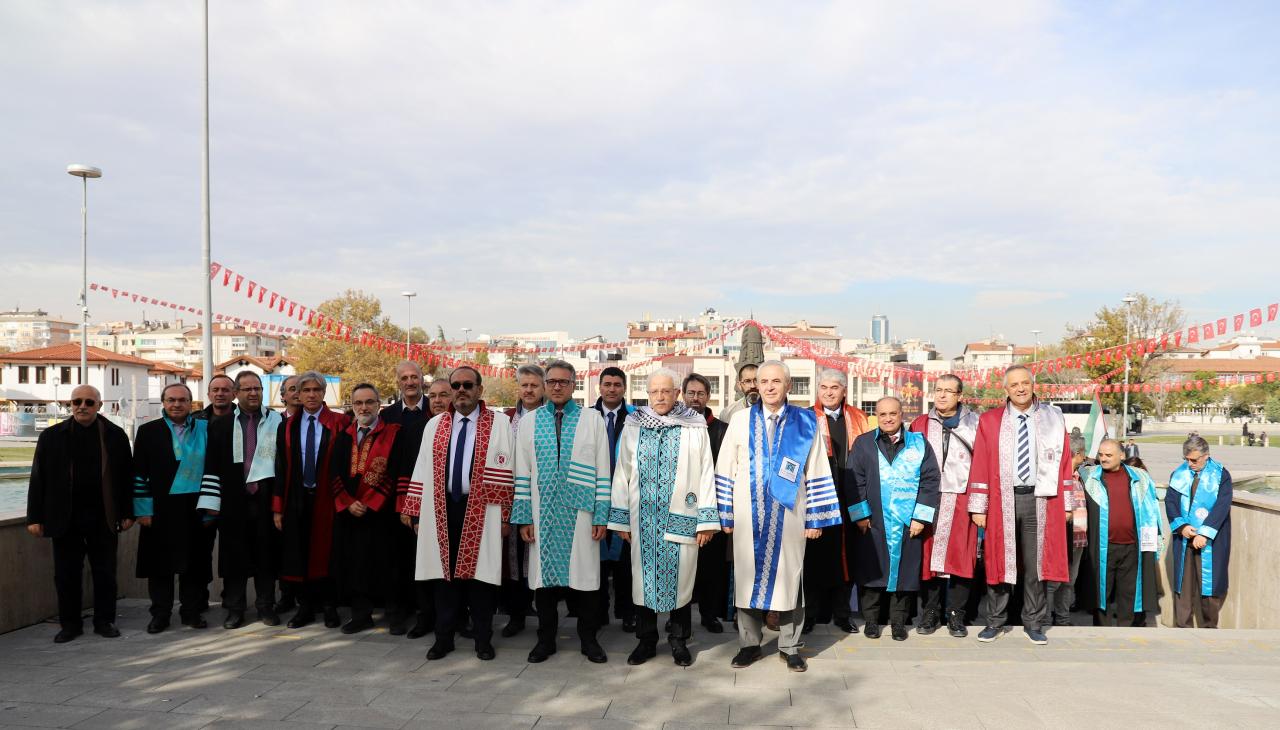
1024 451
309 455
459 458
613 445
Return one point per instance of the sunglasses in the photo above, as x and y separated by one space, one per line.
88 402
462 384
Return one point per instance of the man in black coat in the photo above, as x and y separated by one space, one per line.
240 469
79 496
615 553
711 584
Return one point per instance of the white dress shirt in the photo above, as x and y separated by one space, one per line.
469 450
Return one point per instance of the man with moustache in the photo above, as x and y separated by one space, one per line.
410 411
747 387
615 554
516 598
411 407
79 496
711 585
222 394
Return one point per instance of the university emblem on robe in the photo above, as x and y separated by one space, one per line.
375 471
690 499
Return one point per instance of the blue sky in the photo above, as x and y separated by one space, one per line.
967 169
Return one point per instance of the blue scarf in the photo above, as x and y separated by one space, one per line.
793 440
189 452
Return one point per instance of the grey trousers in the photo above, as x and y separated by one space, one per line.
1035 598
790 628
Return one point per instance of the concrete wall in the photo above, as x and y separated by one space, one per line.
1253 586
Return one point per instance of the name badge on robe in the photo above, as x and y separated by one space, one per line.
1147 540
789 469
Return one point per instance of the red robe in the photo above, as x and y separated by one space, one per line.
987 492
306 557
962 542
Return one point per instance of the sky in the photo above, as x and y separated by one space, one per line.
968 169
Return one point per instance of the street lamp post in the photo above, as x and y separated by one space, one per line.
84 172
1124 413
206 256
408 330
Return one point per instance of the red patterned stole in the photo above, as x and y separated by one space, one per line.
368 462
488 486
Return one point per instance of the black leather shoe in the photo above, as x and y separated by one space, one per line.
332 619
955 624
899 632
808 626
872 631
594 653
421 628
929 623
438 651
540 652
643 652
268 617
629 624
513 627
795 662
285 604
302 618
485 653
468 631
746 656
107 631
845 625
234 620
680 652
66 635
356 624
713 625
398 626
196 622
157 624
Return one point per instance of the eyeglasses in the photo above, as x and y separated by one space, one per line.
558 383
948 391
462 384
86 402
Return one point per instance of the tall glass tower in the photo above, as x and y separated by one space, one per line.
880 329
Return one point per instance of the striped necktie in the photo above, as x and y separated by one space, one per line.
1024 451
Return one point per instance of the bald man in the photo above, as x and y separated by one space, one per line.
80 497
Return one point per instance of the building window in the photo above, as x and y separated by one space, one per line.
24 374
115 376
41 374
64 374
800 386
715 386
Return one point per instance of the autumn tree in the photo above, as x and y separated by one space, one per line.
351 361
1146 318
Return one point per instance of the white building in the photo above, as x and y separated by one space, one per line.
183 344
130 386
33 330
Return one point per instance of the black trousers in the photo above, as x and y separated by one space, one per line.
1122 577
956 589
455 598
259 536
711 584
88 537
404 593
620 572
192 590
583 603
824 604
647 623
875 607
1035 595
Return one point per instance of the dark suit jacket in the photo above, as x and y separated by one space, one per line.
49 493
716 429
395 413
233 516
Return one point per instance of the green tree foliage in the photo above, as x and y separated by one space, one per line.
351 361
1271 409
1146 318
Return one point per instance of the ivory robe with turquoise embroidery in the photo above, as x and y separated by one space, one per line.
768 535
563 495
663 495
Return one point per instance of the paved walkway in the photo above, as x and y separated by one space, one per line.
316 678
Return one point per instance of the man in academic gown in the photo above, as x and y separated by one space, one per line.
562 493
828 580
366 520
460 494
615 554
951 542
664 505
1021 492
1124 539
239 478
774 486
895 477
516 597
176 540
304 503
1198 504
711 587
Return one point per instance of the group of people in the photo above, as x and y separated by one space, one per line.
445 511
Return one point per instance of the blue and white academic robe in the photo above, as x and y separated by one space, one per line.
1146 526
1210 514
892 494
563 493
769 497
663 495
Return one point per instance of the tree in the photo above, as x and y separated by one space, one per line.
501 392
1271 409
351 361
1146 318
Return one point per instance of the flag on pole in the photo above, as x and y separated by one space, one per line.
1096 430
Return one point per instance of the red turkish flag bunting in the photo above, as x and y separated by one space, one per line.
1271 311
1255 317
274 297
252 285
213 270
239 281
1238 322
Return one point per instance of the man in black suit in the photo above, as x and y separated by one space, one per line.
711 585
615 553
79 496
